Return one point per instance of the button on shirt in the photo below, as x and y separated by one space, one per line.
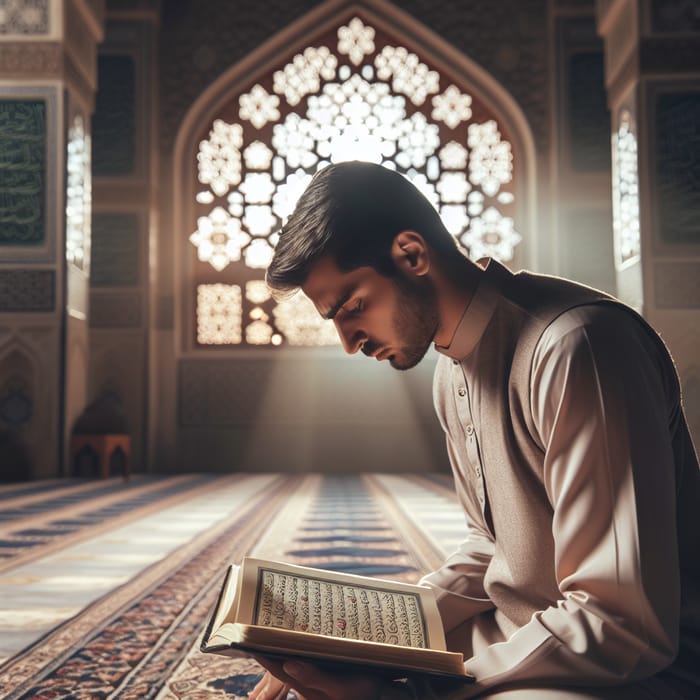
581 490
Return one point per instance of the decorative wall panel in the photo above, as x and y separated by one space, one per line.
22 172
677 285
588 118
16 394
115 250
678 166
27 290
114 120
675 16
31 59
583 116
118 310
24 17
222 393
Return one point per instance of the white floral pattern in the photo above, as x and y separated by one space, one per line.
453 156
491 235
356 40
257 188
302 75
259 107
219 238
257 156
490 159
408 74
452 107
219 157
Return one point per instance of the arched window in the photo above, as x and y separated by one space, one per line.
355 94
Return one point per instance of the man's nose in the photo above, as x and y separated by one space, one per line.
350 336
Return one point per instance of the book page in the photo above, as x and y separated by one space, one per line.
371 613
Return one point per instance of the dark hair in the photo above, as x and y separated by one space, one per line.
353 211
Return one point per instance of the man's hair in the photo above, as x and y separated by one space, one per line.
352 212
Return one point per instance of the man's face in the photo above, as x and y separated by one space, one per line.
391 319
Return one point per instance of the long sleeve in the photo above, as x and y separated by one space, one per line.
603 392
604 397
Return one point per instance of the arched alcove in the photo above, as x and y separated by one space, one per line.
23 408
273 108
305 402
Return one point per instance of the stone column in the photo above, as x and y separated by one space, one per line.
47 87
124 214
652 67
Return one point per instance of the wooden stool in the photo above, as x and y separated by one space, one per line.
104 447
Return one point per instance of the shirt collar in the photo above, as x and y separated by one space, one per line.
479 311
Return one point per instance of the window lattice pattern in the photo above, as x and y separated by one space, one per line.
625 194
218 314
355 96
78 196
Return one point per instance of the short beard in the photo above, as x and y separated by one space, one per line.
415 321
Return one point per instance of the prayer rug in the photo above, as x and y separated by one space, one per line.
142 640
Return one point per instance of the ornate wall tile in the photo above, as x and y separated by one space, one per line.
115 250
28 59
17 374
24 17
670 54
117 310
222 392
16 406
675 16
589 117
677 117
583 116
27 290
22 172
677 285
114 120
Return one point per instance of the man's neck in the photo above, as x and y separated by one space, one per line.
455 284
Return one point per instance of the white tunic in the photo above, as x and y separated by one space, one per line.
581 489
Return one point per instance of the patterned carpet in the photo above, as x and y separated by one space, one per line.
170 539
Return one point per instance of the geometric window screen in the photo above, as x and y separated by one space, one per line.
354 95
625 193
78 195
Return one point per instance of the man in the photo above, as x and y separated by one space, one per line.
580 574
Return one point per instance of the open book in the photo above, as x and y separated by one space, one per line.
281 610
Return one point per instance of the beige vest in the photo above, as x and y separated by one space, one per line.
520 579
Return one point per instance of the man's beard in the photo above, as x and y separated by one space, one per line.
415 321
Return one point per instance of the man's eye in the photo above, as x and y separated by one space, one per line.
353 311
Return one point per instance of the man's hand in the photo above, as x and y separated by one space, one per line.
310 683
269 688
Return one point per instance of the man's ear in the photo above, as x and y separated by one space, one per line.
410 253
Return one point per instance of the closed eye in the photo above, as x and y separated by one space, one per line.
354 310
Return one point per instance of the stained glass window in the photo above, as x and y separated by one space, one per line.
354 95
